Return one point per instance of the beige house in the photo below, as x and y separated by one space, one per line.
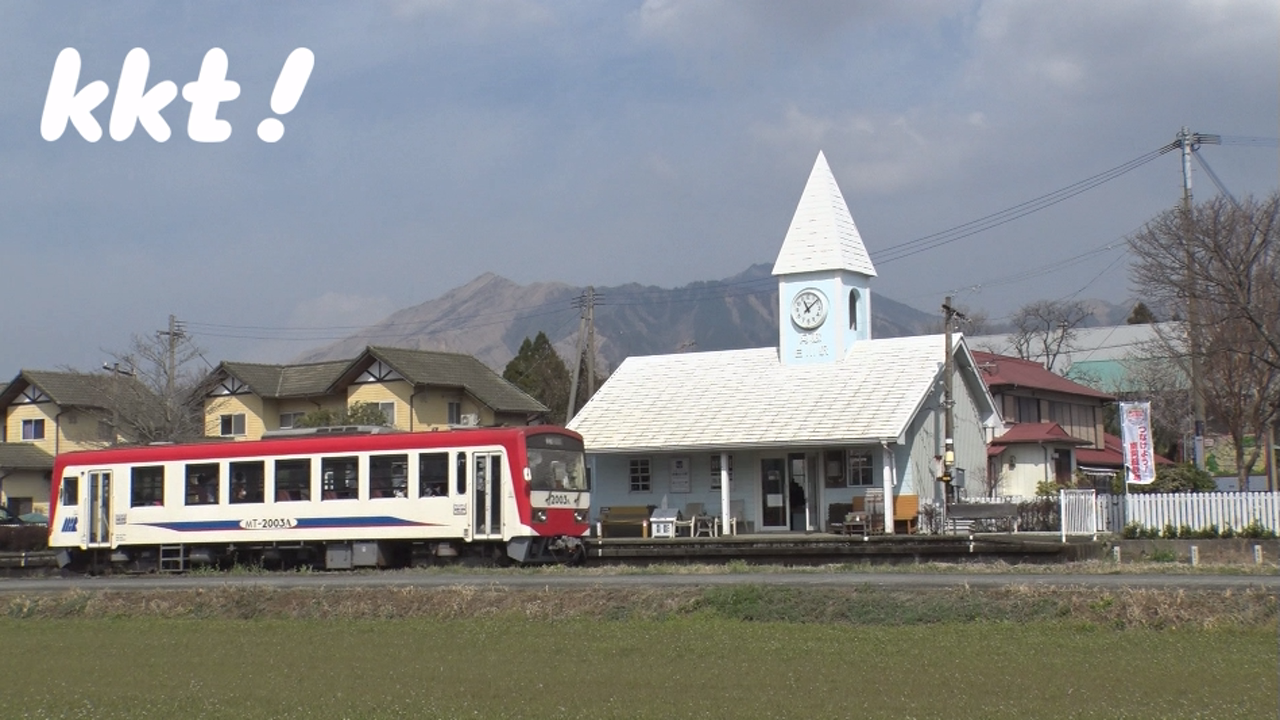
415 389
1050 424
46 413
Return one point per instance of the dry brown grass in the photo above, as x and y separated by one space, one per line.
1124 608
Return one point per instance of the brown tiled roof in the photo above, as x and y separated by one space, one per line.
24 456
1002 372
1034 432
1112 455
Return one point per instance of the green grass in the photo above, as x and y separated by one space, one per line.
693 666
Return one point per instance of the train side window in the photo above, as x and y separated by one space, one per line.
388 476
461 478
202 484
339 478
433 474
146 486
293 480
247 481
70 491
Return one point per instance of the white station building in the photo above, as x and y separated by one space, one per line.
772 437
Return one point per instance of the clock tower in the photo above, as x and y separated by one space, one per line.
824 277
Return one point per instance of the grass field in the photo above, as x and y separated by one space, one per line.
749 652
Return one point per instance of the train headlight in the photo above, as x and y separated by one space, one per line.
539 516
579 516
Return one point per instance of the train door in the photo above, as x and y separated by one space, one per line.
97 515
486 505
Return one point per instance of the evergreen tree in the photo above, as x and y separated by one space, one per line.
1141 315
539 370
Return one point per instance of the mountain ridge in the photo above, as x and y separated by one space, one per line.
490 316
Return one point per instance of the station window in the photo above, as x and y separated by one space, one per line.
146 486
202 484
247 481
860 469
833 475
293 480
433 474
33 429
339 479
388 476
639 474
231 425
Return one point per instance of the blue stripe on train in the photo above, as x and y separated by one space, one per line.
383 521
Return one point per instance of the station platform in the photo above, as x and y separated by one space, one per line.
820 548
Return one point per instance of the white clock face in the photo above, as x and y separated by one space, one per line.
809 309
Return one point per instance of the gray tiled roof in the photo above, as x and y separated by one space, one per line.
284 381
419 367
24 456
426 367
67 389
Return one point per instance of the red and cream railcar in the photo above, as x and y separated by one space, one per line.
331 499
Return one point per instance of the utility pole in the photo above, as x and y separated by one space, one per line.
1189 141
586 304
948 453
175 333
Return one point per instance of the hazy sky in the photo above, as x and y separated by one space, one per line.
654 141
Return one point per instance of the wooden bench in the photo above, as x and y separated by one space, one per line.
969 512
624 521
906 512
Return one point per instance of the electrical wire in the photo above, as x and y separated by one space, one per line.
987 222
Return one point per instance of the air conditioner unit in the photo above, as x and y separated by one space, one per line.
469 420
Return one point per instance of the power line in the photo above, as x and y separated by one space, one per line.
987 222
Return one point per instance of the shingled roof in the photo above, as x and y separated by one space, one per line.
748 399
287 381
1002 372
428 367
24 456
822 235
67 389
418 367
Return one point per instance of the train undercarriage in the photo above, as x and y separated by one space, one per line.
340 555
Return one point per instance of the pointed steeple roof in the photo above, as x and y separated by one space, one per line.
822 235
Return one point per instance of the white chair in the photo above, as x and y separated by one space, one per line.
691 511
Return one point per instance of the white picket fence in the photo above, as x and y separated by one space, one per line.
1236 510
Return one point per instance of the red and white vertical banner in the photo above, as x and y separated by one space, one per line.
1135 435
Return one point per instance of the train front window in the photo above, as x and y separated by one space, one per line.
71 490
556 463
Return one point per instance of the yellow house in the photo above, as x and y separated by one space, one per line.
415 389
46 413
